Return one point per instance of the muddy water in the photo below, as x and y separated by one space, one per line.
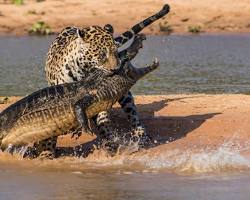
208 64
219 174
27 184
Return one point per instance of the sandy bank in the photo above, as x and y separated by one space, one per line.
211 15
186 121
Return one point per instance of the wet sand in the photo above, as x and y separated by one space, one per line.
224 16
185 122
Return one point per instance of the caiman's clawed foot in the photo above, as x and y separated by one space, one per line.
79 132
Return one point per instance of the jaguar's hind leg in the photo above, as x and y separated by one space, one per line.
46 149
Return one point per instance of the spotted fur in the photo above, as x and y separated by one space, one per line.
75 54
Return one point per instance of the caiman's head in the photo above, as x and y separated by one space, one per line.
134 73
98 48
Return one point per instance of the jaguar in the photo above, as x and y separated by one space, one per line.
77 52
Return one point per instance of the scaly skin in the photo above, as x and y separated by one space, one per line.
54 110
71 56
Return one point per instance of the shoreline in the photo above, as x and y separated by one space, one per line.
233 34
184 122
216 17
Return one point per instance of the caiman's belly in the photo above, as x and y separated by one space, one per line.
98 107
38 129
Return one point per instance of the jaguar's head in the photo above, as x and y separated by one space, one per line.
99 49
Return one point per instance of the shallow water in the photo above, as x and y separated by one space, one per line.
27 184
189 64
214 174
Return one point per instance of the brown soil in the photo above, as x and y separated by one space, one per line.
185 121
212 16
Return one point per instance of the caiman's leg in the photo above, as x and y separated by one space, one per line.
81 115
82 119
46 148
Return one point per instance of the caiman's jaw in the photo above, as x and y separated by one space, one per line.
133 73
137 73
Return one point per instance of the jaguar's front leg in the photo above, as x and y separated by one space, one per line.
106 137
138 131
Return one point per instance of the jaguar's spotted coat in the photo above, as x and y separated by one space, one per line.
77 52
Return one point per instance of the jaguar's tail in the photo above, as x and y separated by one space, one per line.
124 37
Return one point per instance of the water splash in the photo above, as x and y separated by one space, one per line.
204 161
231 156
227 157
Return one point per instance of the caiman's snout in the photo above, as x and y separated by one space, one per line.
140 72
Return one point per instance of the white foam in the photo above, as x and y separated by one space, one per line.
230 156
227 157
200 162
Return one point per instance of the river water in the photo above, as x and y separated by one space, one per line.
189 64
221 174
32 184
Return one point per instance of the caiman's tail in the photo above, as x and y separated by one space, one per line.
124 37
138 73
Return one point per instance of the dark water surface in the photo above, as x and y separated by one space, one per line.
189 64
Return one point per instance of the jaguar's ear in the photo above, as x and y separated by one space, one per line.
109 28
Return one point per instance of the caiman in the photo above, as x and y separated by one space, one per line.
54 110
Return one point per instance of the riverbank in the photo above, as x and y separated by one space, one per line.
186 122
210 16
